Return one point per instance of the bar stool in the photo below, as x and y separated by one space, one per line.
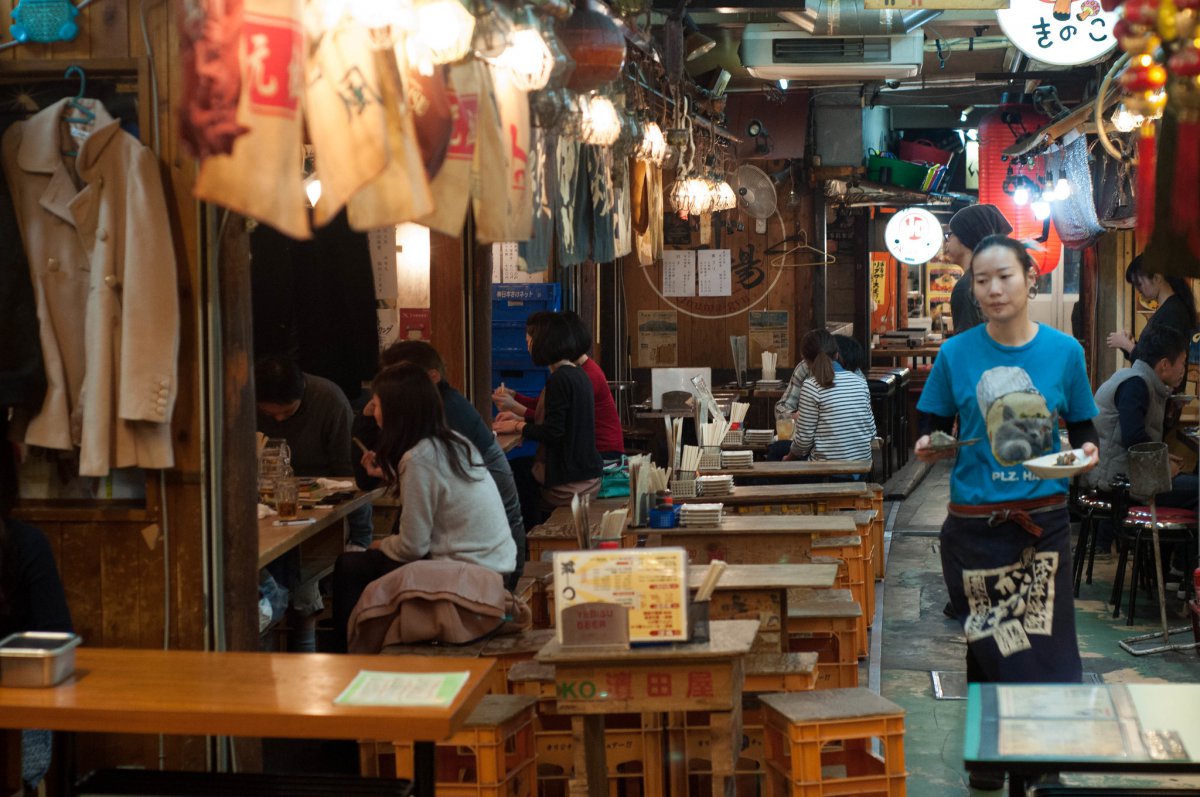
1093 506
1134 532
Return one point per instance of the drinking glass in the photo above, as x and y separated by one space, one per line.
784 425
287 498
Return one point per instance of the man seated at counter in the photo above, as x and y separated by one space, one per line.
1133 408
461 417
313 415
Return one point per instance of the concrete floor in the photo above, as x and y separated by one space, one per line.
911 599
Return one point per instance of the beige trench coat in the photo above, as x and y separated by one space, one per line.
104 275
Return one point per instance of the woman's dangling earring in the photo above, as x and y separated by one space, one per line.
1033 291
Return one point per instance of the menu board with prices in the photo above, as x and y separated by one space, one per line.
650 582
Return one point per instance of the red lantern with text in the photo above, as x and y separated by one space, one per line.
997 131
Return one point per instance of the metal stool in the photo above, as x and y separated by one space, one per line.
1134 532
1092 506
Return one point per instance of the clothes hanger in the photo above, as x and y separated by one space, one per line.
87 115
800 239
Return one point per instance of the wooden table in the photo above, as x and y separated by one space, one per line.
235 694
760 593
783 497
1031 729
795 469
897 353
593 681
320 541
508 441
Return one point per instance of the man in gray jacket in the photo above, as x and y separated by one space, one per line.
1132 406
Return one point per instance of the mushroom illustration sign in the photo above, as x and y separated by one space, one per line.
1060 32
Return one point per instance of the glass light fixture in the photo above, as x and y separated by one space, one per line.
527 56
601 124
1126 120
1021 196
1062 189
783 83
312 189
493 26
680 199
442 34
1041 209
653 147
724 197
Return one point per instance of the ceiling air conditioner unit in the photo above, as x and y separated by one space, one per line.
779 50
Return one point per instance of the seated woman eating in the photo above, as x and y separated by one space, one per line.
834 419
452 509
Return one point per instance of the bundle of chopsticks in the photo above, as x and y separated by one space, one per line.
737 414
769 358
690 461
712 434
645 479
674 442
612 523
581 521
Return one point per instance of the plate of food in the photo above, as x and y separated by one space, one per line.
940 441
1061 465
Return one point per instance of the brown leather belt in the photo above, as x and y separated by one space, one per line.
1019 512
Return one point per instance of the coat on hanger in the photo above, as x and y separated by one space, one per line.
104 276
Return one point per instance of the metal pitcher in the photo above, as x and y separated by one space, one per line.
1149 470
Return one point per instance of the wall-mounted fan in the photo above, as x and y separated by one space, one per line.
756 195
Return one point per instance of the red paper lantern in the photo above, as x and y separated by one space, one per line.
995 134
596 44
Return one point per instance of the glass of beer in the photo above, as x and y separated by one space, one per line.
287 498
784 425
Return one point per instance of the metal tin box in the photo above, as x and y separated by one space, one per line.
37 658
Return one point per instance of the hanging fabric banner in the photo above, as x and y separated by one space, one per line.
262 177
451 188
212 77
502 162
346 116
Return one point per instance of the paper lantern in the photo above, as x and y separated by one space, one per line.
595 43
998 130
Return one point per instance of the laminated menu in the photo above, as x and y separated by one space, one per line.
650 582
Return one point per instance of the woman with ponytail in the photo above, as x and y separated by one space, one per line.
834 419
1176 306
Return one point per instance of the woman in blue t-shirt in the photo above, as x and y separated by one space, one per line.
1005 544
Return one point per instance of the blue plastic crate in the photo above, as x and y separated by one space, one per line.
515 302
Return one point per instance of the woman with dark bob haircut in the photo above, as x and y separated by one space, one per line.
567 460
452 509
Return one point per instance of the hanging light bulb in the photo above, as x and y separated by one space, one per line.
442 33
1126 120
679 199
312 189
527 56
492 30
654 146
1041 209
1021 195
1062 189
601 123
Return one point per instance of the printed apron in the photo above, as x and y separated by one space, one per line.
1013 594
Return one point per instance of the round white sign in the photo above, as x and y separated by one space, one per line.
1060 32
913 236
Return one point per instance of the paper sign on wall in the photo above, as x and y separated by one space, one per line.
769 332
382 242
679 272
651 582
714 267
658 338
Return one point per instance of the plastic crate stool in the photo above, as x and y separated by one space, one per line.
819 743
492 755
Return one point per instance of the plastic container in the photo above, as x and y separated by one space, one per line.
37 658
922 151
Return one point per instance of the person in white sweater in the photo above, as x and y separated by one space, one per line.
452 509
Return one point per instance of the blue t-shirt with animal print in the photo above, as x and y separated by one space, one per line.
1010 398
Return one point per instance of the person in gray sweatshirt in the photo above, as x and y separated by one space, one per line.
452 509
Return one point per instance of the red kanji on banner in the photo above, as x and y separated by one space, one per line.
700 684
464 110
619 685
271 52
658 684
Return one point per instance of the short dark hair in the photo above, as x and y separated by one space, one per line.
417 352
851 353
1159 342
583 335
554 342
536 321
1134 270
277 380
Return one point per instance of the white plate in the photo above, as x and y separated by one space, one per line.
1044 467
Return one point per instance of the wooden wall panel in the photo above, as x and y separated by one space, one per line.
447 303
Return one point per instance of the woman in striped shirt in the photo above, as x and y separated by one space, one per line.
834 419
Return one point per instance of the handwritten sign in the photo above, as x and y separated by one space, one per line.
1065 33
713 267
650 582
679 272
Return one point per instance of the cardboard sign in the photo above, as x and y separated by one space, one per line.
586 624
650 582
